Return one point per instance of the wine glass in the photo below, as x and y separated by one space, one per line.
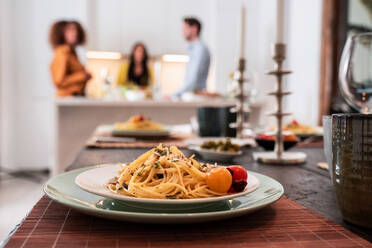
355 74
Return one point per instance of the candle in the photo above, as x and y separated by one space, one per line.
280 21
242 34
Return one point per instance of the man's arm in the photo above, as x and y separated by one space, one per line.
193 73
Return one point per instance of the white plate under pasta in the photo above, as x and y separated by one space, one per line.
94 181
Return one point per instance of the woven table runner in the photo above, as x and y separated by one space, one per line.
283 224
173 139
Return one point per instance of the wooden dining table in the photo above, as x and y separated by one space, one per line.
306 216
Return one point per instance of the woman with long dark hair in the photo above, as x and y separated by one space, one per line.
136 72
68 74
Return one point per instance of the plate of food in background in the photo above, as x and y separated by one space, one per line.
140 126
267 140
222 150
244 142
303 131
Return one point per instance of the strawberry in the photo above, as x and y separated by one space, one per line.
239 178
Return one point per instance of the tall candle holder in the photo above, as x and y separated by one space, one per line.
240 96
279 156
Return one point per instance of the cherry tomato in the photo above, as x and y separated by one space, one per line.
239 178
219 179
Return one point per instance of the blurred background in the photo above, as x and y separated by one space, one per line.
27 91
41 134
38 130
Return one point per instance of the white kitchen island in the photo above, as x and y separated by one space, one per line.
77 118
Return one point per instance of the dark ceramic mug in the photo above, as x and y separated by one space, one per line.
215 121
352 166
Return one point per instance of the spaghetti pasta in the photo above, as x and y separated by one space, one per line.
164 172
139 123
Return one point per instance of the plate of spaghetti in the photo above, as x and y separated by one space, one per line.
303 131
164 175
139 125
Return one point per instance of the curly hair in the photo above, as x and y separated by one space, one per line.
57 37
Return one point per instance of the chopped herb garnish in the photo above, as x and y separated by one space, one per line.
157 164
160 152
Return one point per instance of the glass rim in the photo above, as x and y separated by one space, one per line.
352 115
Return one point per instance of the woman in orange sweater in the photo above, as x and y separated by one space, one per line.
68 74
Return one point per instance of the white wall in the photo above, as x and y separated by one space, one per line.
8 91
27 92
119 24
304 40
6 62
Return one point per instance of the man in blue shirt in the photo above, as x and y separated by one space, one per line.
199 58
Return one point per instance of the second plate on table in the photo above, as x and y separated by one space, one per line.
318 133
245 142
141 133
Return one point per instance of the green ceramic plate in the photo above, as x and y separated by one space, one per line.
62 189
